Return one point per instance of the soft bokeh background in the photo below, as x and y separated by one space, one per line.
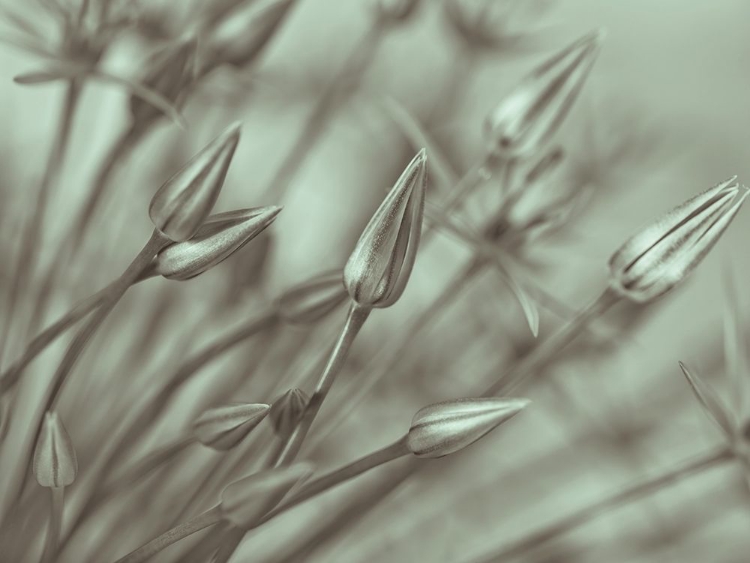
663 115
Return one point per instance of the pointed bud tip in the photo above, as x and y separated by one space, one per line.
55 463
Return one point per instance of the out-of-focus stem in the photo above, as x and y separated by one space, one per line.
628 495
55 523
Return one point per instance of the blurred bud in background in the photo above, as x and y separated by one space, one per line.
222 428
313 299
287 410
395 10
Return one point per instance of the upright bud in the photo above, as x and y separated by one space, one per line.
182 204
218 238
313 299
224 427
55 464
287 410
245 502
533 111
380 265
652 262
445 428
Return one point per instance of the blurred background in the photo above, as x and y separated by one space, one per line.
663 115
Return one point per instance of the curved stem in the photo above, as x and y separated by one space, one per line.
55 523
204 520
354 321
628 495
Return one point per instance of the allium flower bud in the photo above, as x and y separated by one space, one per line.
661 255
246 501
380 265
218 238
445 428
287 410
181 205
533 111
313 299
55 463
224 427
395 10
168 73
242 36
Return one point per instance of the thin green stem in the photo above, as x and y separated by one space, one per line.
57 495
208 518
355 319
626 496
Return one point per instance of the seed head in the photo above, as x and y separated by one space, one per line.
652 262
311 300
287 410
533 111
246 501
445 428
182 204
55 463
218 238
380 265
224 427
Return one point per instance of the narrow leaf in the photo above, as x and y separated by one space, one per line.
710 402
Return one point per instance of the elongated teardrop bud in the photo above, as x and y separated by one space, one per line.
287 410
222 428
55 463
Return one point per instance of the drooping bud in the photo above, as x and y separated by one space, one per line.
224 427
533 111
395 10
287 410
313 299
245 502
184 201
218 238
242 36
445 428
168 73
652 262
55 463
380 265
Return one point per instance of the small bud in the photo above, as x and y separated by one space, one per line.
55 464
445 428
380 265
533 111
182 204
246 501
395 10
168 73
217 239
224 427
663 254
242 36
313 299
287 410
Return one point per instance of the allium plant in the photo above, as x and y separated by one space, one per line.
254 411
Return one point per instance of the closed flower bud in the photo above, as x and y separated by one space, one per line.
395 10
55 464
218 238
169 73
380 265
242 36
528 117
245 502
224 427
287 410
661 255
445 428
313 299
182 204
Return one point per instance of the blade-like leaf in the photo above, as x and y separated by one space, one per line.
710 402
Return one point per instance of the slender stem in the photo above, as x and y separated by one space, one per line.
354 321
32 234
204 520
55 523
626 496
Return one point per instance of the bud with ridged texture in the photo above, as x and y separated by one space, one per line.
287 410
219 237
529 116
313 299
245 502
222 428
444 428
380 265
183 203
660 256
55 464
